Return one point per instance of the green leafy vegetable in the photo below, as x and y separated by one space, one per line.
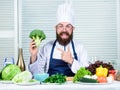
80 73
24 76
56 78
9 71
37 35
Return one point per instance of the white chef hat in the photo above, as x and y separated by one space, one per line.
65 13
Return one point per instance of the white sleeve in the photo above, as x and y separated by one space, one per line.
33 67
39 65
82 60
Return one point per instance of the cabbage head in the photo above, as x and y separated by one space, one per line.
9 71
24 76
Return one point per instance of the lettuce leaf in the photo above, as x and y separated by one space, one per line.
24 76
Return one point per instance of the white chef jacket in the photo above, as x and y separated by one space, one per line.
41 65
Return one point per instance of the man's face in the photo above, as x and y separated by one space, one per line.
64 32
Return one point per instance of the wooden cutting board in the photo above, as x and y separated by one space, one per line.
69 78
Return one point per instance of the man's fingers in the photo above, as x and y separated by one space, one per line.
59 49
32 44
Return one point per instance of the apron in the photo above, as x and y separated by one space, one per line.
58 65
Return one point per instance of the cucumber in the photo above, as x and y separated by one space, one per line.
88 80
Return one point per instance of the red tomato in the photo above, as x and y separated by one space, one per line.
112 71
102 79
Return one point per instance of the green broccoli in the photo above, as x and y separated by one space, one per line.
37 35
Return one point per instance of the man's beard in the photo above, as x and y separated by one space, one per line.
64 42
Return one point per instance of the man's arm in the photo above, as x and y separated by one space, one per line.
82 59
37 59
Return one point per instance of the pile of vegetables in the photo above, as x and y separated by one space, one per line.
9 71
56 78
37 35
98 72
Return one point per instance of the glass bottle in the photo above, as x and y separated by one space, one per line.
20 61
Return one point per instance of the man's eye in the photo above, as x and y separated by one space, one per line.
60 26
68 26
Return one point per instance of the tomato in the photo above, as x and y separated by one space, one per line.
112 74
102 79
112 71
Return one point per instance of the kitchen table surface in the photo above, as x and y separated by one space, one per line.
67 86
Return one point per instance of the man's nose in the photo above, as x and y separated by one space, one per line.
64 28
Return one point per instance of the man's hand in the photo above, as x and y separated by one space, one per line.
66 55
33 50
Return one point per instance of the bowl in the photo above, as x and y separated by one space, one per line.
41 76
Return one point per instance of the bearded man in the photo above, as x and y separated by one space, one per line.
62 55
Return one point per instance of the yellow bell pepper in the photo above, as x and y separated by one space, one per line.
100 71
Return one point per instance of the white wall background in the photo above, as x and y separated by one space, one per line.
8 30
96 25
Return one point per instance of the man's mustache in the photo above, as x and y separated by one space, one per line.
64 33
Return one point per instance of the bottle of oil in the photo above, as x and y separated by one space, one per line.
20 61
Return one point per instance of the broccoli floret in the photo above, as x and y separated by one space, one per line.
37 35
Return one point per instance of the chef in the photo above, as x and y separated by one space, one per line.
62 55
